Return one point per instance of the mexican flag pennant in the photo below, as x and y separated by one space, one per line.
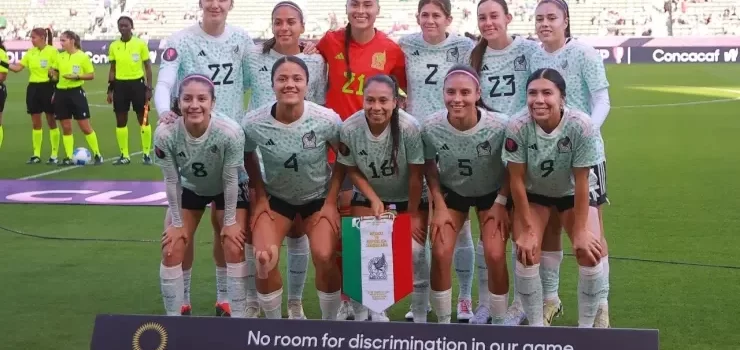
376 260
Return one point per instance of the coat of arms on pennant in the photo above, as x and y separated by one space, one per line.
376 260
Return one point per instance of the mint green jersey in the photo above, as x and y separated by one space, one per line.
504 75
295 155
222 59
201 160
372 154
260 69
581 66
426 67
469 161
550 158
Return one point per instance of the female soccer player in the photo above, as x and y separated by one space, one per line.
503 63
287 27
39 59
429 55
467 139
3 89
201 156
382 149
583 69
293 136
219 51
72 68
551 150
129 65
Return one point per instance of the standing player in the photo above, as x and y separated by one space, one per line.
551 150
293 136
129 64
219 51
588 90
382 150
201 157
287 27
3 90
39 59
73 67
503 63
429 55
467 139
353 55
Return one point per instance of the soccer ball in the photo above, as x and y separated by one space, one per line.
81 156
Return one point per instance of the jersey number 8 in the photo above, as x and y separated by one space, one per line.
199 170
216 69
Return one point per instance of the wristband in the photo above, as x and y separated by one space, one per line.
501 200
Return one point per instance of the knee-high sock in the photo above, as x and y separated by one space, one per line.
122 137
550 272
480 263
420 295
298 250
236 281
54 136
529 288
463 261
170 279
37 138
591 289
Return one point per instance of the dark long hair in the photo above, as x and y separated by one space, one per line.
44 33
192 78
549 74
391 82
285 59
270 43
563 6
476 56
72 35
347 42
468 69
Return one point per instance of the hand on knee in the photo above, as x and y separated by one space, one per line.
233 253
173 253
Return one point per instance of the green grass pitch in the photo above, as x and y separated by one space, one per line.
671 140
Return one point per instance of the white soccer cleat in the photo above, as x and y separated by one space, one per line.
464 310
409 315
253 311
602 317
295 310
515 314
481 316
552 309
345 311
378 316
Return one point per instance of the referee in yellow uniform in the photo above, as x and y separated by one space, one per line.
73 67
129 60
39 60
4 65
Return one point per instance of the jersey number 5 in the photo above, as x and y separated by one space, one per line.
216 69
508 80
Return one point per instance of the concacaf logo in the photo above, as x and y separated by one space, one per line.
151 326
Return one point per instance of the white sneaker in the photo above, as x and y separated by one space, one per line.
409 316
482 315
295 310
464 310
253 311
378 316
345 312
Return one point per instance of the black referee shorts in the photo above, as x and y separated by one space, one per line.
129 94
38 98
3 96
71 103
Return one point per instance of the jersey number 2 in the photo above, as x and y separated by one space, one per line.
434 68
216 69
508 80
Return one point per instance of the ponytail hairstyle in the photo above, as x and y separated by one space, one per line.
391 82
470 72
476 56
43 33
563 6
270 43
73 36
49 36
2 46
192 78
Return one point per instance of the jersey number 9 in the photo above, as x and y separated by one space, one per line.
221 79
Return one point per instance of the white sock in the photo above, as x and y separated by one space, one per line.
222 295
463 261
236 280
170 279
550 272
361 312
186 276
298 250
272 303
529 288
329 303
251 285
605 264
591 288
442 305
420 295
480 263
513 281
498 304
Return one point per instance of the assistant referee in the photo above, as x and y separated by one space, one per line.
73 67
129 60
39 60
3 90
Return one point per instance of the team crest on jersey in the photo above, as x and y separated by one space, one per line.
484 149
170 54
236 49
564 64
564 145
309 140
379 59
510 145
159 153
520 63
214 149
453 55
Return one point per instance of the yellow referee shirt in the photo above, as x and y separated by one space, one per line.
39 62
4 65
129 57
77 63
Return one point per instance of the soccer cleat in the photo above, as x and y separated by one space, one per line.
602 317
464 310
33 160
147 160
295 310
515 314
378 316
253 311
409 316
346 312
98 159
66 162
552 309
186 310
223 310
52 161
122 161
481 316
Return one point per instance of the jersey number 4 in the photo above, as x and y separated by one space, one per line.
221 79
509 87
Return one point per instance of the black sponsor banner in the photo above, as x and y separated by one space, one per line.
126 332
629 55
